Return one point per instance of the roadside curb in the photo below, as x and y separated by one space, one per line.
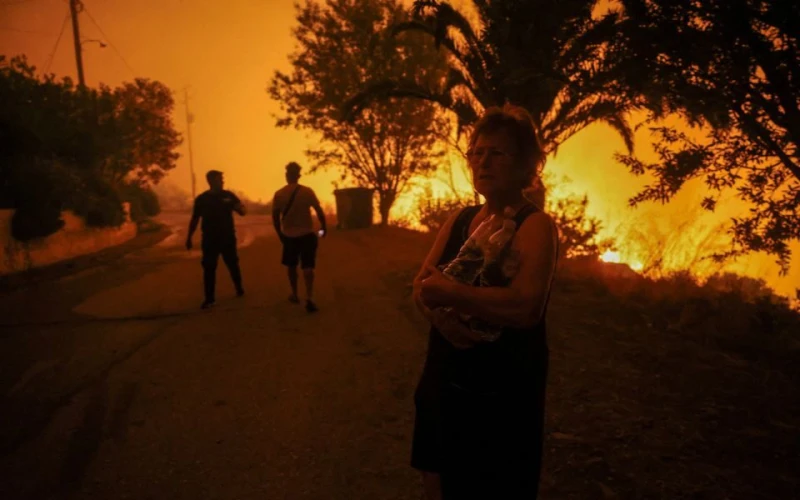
153 234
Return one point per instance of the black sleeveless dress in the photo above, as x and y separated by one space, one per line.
480 411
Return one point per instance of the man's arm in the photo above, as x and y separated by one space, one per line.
320 213
321 217
276 217
521 303
192 225
434 254
238 206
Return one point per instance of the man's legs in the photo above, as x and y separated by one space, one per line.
209 262
308 257
308 278
293 283
231 258
289 258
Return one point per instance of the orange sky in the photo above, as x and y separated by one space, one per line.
228 51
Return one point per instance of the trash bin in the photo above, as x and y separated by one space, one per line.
353 207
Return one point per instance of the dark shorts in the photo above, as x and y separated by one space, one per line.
302 249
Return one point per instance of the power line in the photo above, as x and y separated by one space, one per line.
55 47
108 40
17 2
32 32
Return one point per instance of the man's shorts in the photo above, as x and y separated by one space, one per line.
302 249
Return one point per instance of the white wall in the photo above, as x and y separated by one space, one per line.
73 240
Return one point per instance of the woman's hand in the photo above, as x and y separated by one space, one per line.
452 329
435 288
446 321
416 294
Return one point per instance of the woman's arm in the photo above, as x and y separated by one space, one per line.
434 254
521 303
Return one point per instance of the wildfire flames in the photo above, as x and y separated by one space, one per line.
614 257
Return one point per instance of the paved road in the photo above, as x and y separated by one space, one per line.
114 384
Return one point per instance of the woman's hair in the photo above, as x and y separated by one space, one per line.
518 124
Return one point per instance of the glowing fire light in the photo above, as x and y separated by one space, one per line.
610 256
614 257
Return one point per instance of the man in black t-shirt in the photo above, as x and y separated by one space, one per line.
215 207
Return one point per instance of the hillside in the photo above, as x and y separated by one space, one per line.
656 390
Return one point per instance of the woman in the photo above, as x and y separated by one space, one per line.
480 405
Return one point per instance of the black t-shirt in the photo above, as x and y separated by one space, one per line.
216 211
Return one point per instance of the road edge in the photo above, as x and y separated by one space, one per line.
148 234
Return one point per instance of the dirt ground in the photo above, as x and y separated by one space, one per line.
639 409
125 389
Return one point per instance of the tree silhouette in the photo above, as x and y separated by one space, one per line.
341 45
552 58
732 67
83 149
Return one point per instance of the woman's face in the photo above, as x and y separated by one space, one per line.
492 160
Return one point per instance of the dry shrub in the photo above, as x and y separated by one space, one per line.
685 243
726 310
578 233
403 222
433 212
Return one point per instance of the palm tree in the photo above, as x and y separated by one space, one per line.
550 57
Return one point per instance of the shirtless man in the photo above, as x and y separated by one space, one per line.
291 216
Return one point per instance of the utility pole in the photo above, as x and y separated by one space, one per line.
73 9
189 120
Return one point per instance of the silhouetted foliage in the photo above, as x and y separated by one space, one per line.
578 233
144 202
732 67
552 58
39 193
104 209
433 212
78 149
341 45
